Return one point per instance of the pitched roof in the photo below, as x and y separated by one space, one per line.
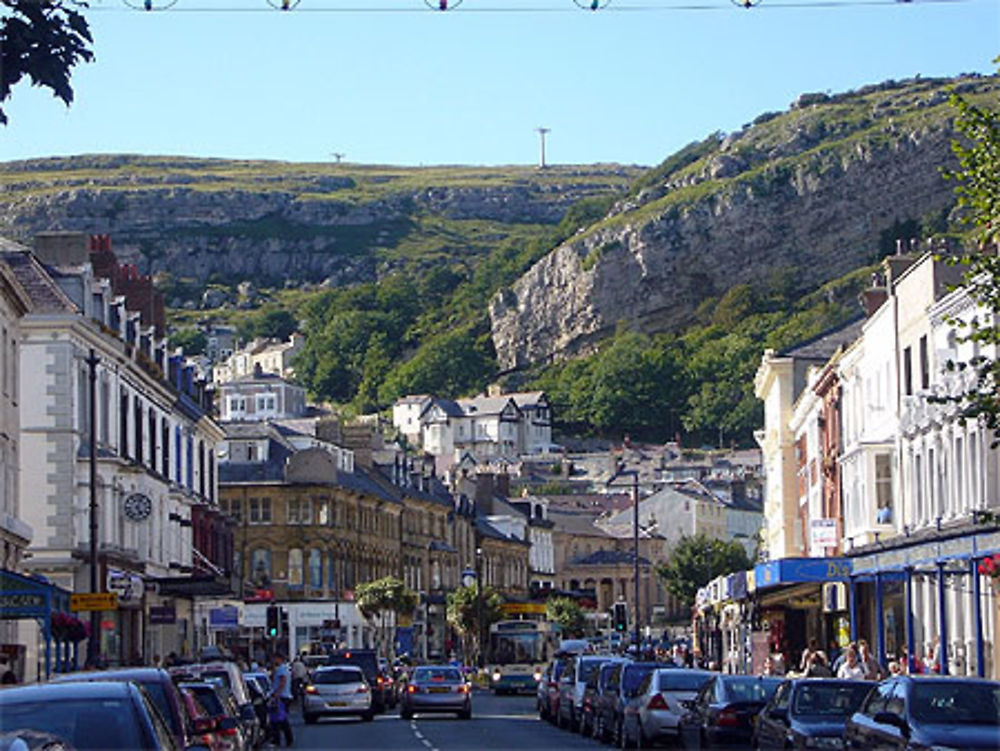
485 405
44 294
825 344
608 558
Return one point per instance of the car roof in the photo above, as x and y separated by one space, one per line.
141 675
51 691
345 666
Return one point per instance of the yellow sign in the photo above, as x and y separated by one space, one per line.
93 601
524 608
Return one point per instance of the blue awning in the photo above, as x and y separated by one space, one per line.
29 597
801 571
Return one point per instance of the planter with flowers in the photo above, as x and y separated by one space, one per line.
67 631
990 568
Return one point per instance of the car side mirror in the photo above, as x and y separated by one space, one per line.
890 718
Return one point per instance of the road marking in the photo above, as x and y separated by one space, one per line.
420 736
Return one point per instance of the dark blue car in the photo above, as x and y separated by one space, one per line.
808 713
918 714
723 712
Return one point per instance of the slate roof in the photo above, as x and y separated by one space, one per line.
44 294
575 523
488 530
484 405
824 345
609 558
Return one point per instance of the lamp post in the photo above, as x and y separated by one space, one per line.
480 661
634 474
93 643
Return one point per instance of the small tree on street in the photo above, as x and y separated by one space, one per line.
695 561
463 616
379 599
567 613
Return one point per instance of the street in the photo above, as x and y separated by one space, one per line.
504 722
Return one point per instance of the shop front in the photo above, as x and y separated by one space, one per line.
30 598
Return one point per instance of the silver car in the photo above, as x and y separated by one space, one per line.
337 690
657 704
436 689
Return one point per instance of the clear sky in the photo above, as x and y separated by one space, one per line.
393 82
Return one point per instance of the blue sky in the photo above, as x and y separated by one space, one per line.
392 82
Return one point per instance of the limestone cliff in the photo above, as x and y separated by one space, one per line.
810 191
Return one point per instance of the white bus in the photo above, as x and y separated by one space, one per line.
518 653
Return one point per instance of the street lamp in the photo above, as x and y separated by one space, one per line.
634 474
93 644
480 661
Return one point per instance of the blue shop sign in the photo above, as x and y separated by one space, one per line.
738 585
226 617
801 570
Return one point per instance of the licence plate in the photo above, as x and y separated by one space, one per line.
336 704
439 690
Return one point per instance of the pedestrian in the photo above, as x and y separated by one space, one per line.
843 656
277 718
931 662
281 683
300 677
851 669
816 667
808 652
873 670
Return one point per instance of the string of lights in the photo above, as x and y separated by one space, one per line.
489 6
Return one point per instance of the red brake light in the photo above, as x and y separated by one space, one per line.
310 689
464 688
362 690
230 731
657 702
380 680
412 689
727 718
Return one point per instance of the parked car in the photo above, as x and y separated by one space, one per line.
571 685
158 685
608 682
550 693
723 712
87 715
658 708
911 712
205 727
338 690
808 713
220 706
434 688
622 697
233 679
367 660
591 695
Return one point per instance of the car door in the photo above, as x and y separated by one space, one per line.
772 722
863 732
694 718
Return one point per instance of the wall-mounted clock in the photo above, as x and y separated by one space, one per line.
138 507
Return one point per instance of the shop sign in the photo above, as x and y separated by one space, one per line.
128 587
28 604
162 615
93 601
801 570
822 533
519 608
224 618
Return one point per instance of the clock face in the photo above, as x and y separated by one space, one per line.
138 507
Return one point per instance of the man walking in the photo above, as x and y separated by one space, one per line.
281 681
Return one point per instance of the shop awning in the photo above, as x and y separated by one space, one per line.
29 597
192 586
801 571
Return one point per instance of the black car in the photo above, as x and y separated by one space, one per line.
723 712
158 685
808 713
622 687
603 698
367 660
86 715
917 714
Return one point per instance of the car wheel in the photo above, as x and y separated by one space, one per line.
406 714
465 714
310 719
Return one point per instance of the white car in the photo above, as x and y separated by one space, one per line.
337 690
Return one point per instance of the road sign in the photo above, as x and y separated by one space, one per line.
93 601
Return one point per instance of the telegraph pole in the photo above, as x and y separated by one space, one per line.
541 152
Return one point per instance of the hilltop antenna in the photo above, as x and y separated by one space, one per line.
338 156
541 151
592 4
442 4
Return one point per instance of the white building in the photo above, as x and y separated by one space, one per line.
266 356
260 396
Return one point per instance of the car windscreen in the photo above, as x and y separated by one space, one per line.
587 669
209 700
158 693
681 680
955 703
336 676
437 674
822 699
632 676
749 688
83 723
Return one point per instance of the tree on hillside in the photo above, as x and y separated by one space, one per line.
463 616
695 561
193 341
382 598
978 194
567 613
42 40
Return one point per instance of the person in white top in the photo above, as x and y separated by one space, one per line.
851 668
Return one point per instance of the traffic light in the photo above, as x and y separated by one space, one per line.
273 620
619 617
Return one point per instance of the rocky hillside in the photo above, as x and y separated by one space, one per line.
282 224
809 194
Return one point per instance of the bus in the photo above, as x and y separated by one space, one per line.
518 653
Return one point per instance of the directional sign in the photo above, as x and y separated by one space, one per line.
93 601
